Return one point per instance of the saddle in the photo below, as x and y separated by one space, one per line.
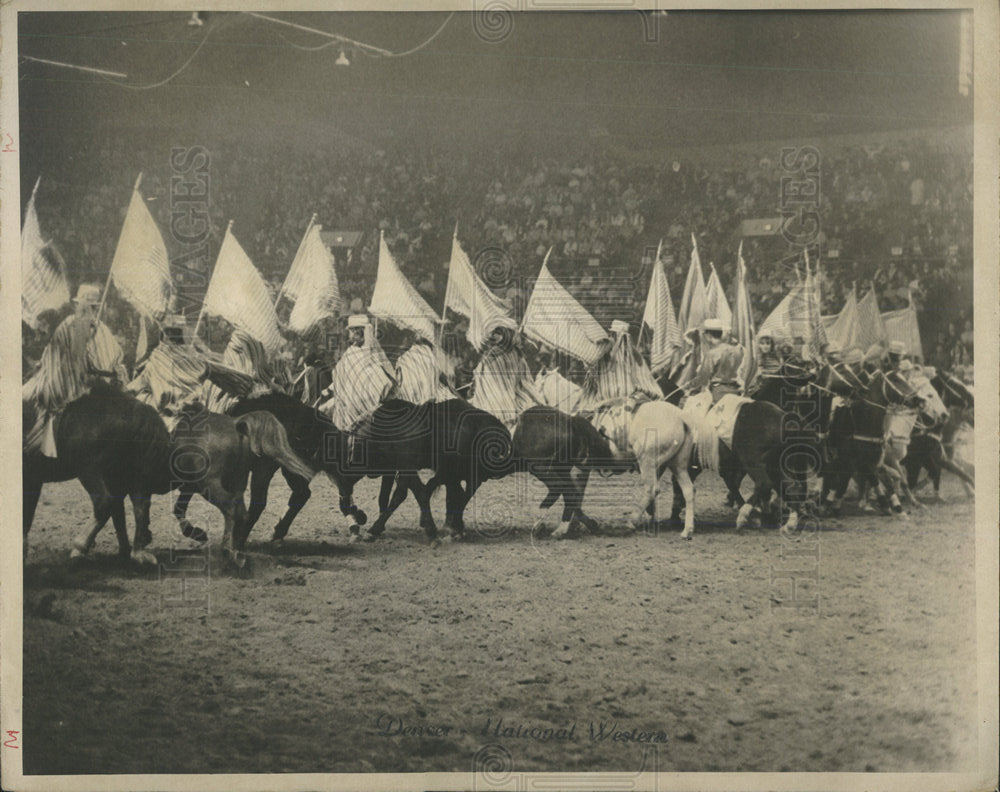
721 416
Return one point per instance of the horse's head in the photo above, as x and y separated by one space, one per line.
931 404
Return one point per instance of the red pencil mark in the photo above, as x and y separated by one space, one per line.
11 741
7 149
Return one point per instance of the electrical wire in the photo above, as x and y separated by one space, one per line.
166 79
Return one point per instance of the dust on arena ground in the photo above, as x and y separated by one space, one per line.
290 668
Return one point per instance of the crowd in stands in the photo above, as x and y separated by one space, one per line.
896 213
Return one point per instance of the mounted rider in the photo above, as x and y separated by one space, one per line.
769 359
620 373
361 380
419 374
81 351
502 383
721 358
247 355
172 373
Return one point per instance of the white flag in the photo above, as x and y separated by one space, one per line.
843 329
554 317
901 325
396 300
667 342
238 294
693 308
140 269
716 305
43 274
312 283
468 295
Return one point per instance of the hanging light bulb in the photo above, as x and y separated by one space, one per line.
342 59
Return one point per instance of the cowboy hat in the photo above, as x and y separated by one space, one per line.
88 293
712 326
897 348
620 327
357 320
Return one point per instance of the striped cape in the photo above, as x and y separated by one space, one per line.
360 382
418 377
503 385
621 373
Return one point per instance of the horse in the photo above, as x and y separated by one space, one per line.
764 434
549 444
652 435
900 427
930 439
856 440
118 446
461 444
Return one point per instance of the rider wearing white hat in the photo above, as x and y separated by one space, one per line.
81 349
361 379
720 363
620 372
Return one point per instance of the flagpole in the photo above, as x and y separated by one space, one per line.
201 313
281 291
111 269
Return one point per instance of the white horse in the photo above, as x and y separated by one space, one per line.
653 435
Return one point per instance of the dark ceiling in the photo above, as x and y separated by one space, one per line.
684 77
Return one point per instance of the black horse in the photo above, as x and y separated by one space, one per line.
769 444
462 445
549 445
118 446
932 448
855 441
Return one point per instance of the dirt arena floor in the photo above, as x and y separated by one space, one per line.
507 651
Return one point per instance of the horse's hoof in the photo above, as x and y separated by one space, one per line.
370 537
687 533
76 554
360 516
276 544
144 557
562 532
539 527
354 538
743 516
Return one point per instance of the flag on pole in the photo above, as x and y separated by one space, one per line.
43 274
870 328
716 305
554 317
667 342
466 294
843 329
743 321
693 307
901 325
140 269
816 336
238 294
396 300
312 283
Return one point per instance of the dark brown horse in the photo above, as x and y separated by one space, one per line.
117 446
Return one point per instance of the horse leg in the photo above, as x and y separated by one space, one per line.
298 498
682 480
389 505
456 499
952 467
345 487
261 473
646 507
180 514
566 486
143 537
581 487
121 531
103 506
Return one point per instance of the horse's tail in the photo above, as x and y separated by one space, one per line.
706 440
267 437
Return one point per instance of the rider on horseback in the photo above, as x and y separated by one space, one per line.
361 379
769 359
419 375
620 373
81 349
246 354
502 383
172 374
721 359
